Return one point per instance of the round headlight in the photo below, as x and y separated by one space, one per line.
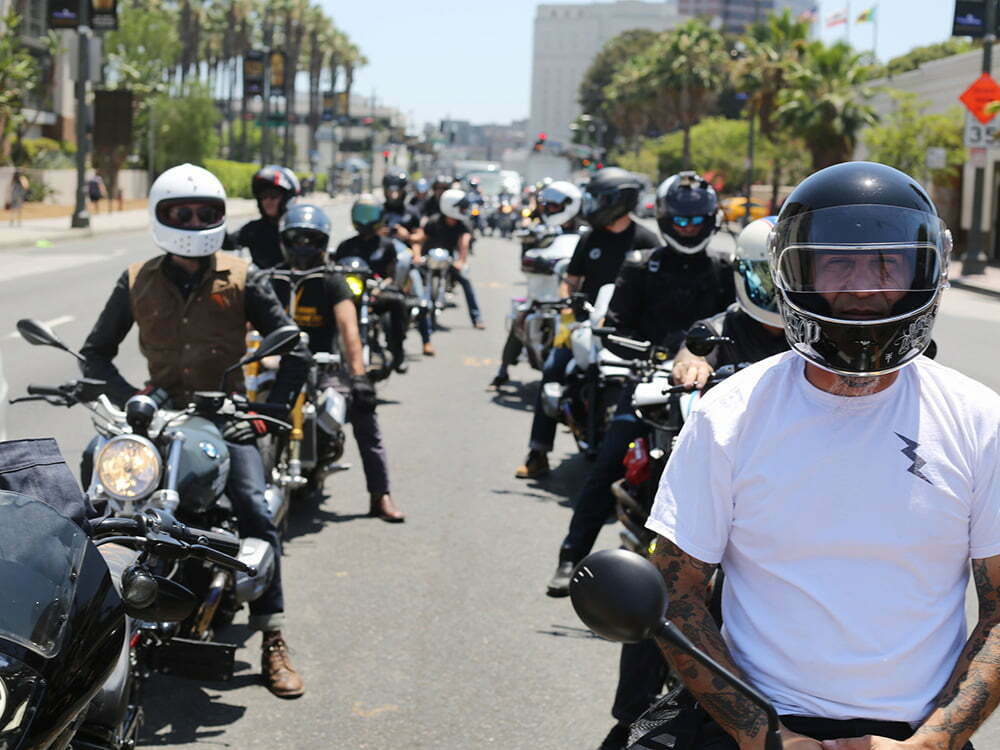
128 467
356 284
438 259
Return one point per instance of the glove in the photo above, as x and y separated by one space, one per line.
363 393
244 431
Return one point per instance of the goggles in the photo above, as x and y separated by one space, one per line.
683 221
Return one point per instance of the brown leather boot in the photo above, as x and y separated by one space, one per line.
383 507
276 668
535 465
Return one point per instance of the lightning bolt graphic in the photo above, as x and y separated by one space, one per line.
910 451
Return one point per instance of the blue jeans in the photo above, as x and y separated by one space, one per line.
543 427
245 490
423 318
470 295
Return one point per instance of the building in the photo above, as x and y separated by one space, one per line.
736 15
566 40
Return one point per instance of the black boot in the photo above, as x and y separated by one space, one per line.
559 582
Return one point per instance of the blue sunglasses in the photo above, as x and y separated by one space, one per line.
683 221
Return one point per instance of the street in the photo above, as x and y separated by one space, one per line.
431 634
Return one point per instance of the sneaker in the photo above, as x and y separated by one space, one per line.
479 325
535 465
617 738
429 349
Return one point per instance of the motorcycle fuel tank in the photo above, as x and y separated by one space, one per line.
204 465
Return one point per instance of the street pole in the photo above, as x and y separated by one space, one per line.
974 258
752 110
81 217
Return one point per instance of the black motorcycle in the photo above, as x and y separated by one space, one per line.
71 662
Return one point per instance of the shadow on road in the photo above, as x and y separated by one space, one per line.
567 631
517 395
309 516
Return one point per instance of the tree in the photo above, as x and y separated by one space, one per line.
826 102
902 140
592 92
919 55
185 127
674 81
19 75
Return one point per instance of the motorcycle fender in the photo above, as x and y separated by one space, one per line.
552 394
259 554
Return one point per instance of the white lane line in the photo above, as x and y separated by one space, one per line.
61 320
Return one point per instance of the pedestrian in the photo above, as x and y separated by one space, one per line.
95 191
17 194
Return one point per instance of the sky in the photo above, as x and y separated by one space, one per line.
472 60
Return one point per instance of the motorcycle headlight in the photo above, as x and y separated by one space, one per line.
356 284
526 212
128 467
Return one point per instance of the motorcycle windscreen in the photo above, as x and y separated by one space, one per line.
41 552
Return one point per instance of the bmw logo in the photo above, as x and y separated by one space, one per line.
209 450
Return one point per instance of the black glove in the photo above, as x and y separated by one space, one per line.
363 392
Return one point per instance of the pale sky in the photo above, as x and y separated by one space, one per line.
472 61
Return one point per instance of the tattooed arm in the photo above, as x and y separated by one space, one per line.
687 582
973 690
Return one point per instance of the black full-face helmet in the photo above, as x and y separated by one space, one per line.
859 259
687 211
367 214
305 234
278 179
394 186
611 194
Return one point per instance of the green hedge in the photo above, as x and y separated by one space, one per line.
234 175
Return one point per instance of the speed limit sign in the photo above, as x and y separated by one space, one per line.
978 135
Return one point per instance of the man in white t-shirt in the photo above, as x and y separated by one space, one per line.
844 496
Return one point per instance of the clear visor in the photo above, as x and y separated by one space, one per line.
860 262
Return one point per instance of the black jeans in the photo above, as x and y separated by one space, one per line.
642 671
595 501
394 304
245 490
368 436
543 427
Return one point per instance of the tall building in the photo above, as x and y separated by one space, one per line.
566 40
736 15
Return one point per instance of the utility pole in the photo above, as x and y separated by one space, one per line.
972 261
752 111
81 217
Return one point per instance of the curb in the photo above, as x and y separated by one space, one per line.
970 287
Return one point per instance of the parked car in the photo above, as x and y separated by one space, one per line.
734 208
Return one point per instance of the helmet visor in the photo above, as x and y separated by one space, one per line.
860 263
191 213
365 214
301 241
758 283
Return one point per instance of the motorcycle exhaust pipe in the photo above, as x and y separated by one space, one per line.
210 604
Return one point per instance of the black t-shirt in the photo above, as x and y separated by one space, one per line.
377 251
314 308
441 234
261 236
751 341
599 255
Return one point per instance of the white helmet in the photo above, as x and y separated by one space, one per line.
199 192
453 203
755 290
559 202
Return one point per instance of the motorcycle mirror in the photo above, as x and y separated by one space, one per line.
619 595
279 341
37 333
701 341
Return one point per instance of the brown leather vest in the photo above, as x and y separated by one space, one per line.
188 343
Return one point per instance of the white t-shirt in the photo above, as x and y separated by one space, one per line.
845 526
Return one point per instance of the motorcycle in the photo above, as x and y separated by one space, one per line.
437 271
587 399
503 220
75 629
372 327
148 456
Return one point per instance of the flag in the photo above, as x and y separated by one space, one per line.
809 16
836 19
866 16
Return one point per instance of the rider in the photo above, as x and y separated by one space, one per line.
656 299
559 205
755 330
400 219
611 195
273 187
432 206
379 253
846 488
449 231
326 311
421 192
192 306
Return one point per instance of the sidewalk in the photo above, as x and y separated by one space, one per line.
987 282
44 232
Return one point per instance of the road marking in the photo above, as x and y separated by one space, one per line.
358 709
23 265
476 362
61 320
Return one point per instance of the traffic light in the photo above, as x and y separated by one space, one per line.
385 154
540 143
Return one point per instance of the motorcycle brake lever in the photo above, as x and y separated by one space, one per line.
203 552
165 546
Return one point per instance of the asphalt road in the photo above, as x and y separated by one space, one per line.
431 634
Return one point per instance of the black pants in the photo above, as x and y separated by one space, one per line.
595 501
245 490
395 304
368 437
642 671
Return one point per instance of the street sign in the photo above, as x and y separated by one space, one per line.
983 91
104 15
278 59
970 19
63 14
112 119
978 135
936 158
253 72
977 157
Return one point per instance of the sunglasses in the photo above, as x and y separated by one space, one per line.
181 215
683 221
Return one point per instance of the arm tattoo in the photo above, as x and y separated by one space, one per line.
973 690
687 582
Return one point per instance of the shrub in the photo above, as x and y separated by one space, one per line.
235 176
46 153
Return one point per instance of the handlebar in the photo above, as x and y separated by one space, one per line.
46 390
277 411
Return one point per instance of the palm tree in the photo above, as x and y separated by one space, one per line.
352 60
826 102
319 38
296 13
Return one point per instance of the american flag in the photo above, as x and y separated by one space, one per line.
836 19
809 16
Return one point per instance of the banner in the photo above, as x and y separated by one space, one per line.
329 100
104 15
277 60
970 19
112 119
253 73
64 14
